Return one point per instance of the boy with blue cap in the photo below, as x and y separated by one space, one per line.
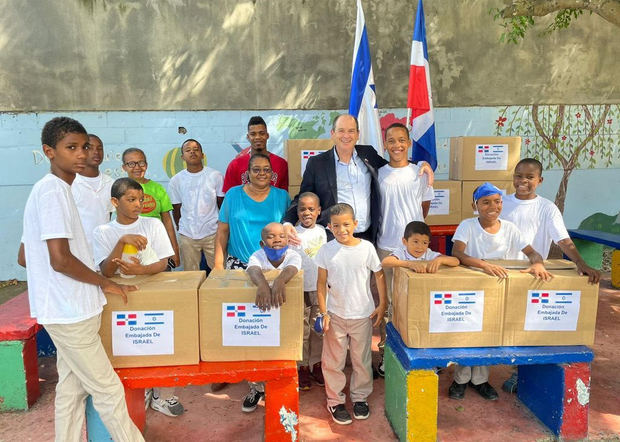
479 239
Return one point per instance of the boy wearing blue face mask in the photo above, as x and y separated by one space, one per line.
274 254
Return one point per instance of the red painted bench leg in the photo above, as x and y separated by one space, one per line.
576 401
31 367
282 409
135 405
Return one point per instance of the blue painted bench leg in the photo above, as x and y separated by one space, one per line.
95 430
559 395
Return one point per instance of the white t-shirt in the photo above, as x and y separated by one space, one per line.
93 200
54 297
539 220
197 193
403 254
259 259
158 246
348 277
507 243
312 240
402 192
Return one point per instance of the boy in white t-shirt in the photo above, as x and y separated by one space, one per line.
65 292
478 239
149 237
312 237
196 196
345 265
405 197
91 190
274 254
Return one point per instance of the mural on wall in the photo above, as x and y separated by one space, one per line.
565 137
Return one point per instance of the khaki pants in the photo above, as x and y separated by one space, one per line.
313 342
388 272
84 369
478 374
191 248
356 334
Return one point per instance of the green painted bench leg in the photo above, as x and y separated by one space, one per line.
591 252
19 379
410 400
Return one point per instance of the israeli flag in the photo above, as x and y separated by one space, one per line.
363 99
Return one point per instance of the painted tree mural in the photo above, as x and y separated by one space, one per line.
566 137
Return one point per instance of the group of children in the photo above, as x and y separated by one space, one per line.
66 291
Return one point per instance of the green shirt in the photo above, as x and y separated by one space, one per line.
156 199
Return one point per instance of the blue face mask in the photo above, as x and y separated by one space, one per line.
275 254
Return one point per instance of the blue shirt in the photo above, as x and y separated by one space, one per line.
353 184
246 218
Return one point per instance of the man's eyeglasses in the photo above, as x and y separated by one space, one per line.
257 170
132 164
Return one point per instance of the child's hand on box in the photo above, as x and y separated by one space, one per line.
538 270
111 288
433 266
417 266
263 297
495 270
278 293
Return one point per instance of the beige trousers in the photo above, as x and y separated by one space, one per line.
191 248
84 369
356 334
389 273
478 374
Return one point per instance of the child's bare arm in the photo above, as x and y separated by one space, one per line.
458 251
21 255
321 290
393 261
568 248
379 312
434 264
537 268
278 294
221 244
426 206
263 292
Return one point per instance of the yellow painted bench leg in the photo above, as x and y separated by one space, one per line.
615 269
422 386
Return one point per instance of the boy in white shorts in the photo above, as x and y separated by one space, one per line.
345 264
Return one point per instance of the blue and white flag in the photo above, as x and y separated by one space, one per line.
363 100
420 116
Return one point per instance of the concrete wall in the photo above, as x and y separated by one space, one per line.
285 54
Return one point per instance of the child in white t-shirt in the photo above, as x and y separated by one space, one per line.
274 254
65 292
149 237
312 237
196 196
345 265
478 239
405 197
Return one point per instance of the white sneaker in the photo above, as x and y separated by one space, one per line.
170 407
148 395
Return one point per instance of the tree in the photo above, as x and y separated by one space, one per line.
519 15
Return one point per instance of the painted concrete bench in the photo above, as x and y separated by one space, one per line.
590 244
281 392
19 379
554 383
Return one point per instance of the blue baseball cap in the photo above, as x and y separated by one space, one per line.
486 189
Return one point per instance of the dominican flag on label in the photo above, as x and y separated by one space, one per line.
482 149
126 319
305 154
443 298
235 311
542 298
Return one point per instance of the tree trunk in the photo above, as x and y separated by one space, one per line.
560 197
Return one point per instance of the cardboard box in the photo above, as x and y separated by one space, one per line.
293 191
446 206
158 325
455 307
467 195
559 312
297 154
232 329
484 158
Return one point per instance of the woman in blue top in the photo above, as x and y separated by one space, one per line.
245 211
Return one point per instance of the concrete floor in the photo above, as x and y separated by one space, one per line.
218 417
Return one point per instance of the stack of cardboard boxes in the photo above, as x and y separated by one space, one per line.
297 154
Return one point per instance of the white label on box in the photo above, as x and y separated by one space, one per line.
245 325
552 310
440 204
491 157
305 155
142 333
456 311
503 194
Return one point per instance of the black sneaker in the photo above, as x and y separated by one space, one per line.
381 367
486 391
457 391
340 415
361 410
251 400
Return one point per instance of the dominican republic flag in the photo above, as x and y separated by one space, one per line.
235 311
420 100
363 99
126 319
443 298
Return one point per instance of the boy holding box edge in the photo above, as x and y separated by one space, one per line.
65 292
478 239
274 254
148 235
345 264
